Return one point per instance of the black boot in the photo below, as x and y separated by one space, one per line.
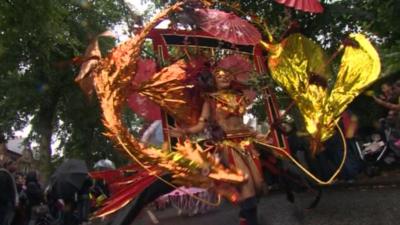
248 211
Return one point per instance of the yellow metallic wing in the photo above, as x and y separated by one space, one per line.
360 66
299 66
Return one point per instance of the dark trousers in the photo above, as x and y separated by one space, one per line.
83 208
6 213
248 210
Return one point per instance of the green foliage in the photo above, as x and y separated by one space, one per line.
390 58
38 39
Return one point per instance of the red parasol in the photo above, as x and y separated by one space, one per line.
312 6
228 27
139 104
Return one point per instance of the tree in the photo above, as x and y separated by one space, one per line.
38 40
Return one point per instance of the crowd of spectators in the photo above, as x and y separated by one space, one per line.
25 201
21 196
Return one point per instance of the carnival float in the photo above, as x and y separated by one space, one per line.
202 93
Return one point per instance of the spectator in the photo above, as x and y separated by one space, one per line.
8 195
387 92
393 124
20 182
35 196
83 203
395 105
100 190
21 209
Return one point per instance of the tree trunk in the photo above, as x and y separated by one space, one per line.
45 122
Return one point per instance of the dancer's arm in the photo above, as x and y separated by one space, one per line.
200 126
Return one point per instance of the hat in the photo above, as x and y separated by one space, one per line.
236 65
104 164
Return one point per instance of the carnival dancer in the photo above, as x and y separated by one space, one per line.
222 118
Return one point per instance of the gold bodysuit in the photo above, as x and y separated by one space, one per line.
228 108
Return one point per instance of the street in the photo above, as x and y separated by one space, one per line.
376 205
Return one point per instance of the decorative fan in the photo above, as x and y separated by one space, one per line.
139 104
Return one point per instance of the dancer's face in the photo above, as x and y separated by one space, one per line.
223 79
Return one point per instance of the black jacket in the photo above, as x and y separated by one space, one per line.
34 191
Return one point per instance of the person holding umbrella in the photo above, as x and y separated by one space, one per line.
70 185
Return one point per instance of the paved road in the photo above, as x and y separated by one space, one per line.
345 206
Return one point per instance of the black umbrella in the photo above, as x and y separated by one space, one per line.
69 178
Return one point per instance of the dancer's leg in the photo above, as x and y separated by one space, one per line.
155 190
248 211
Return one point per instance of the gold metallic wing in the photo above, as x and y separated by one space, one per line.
360 66
293 59
294 64
298 65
